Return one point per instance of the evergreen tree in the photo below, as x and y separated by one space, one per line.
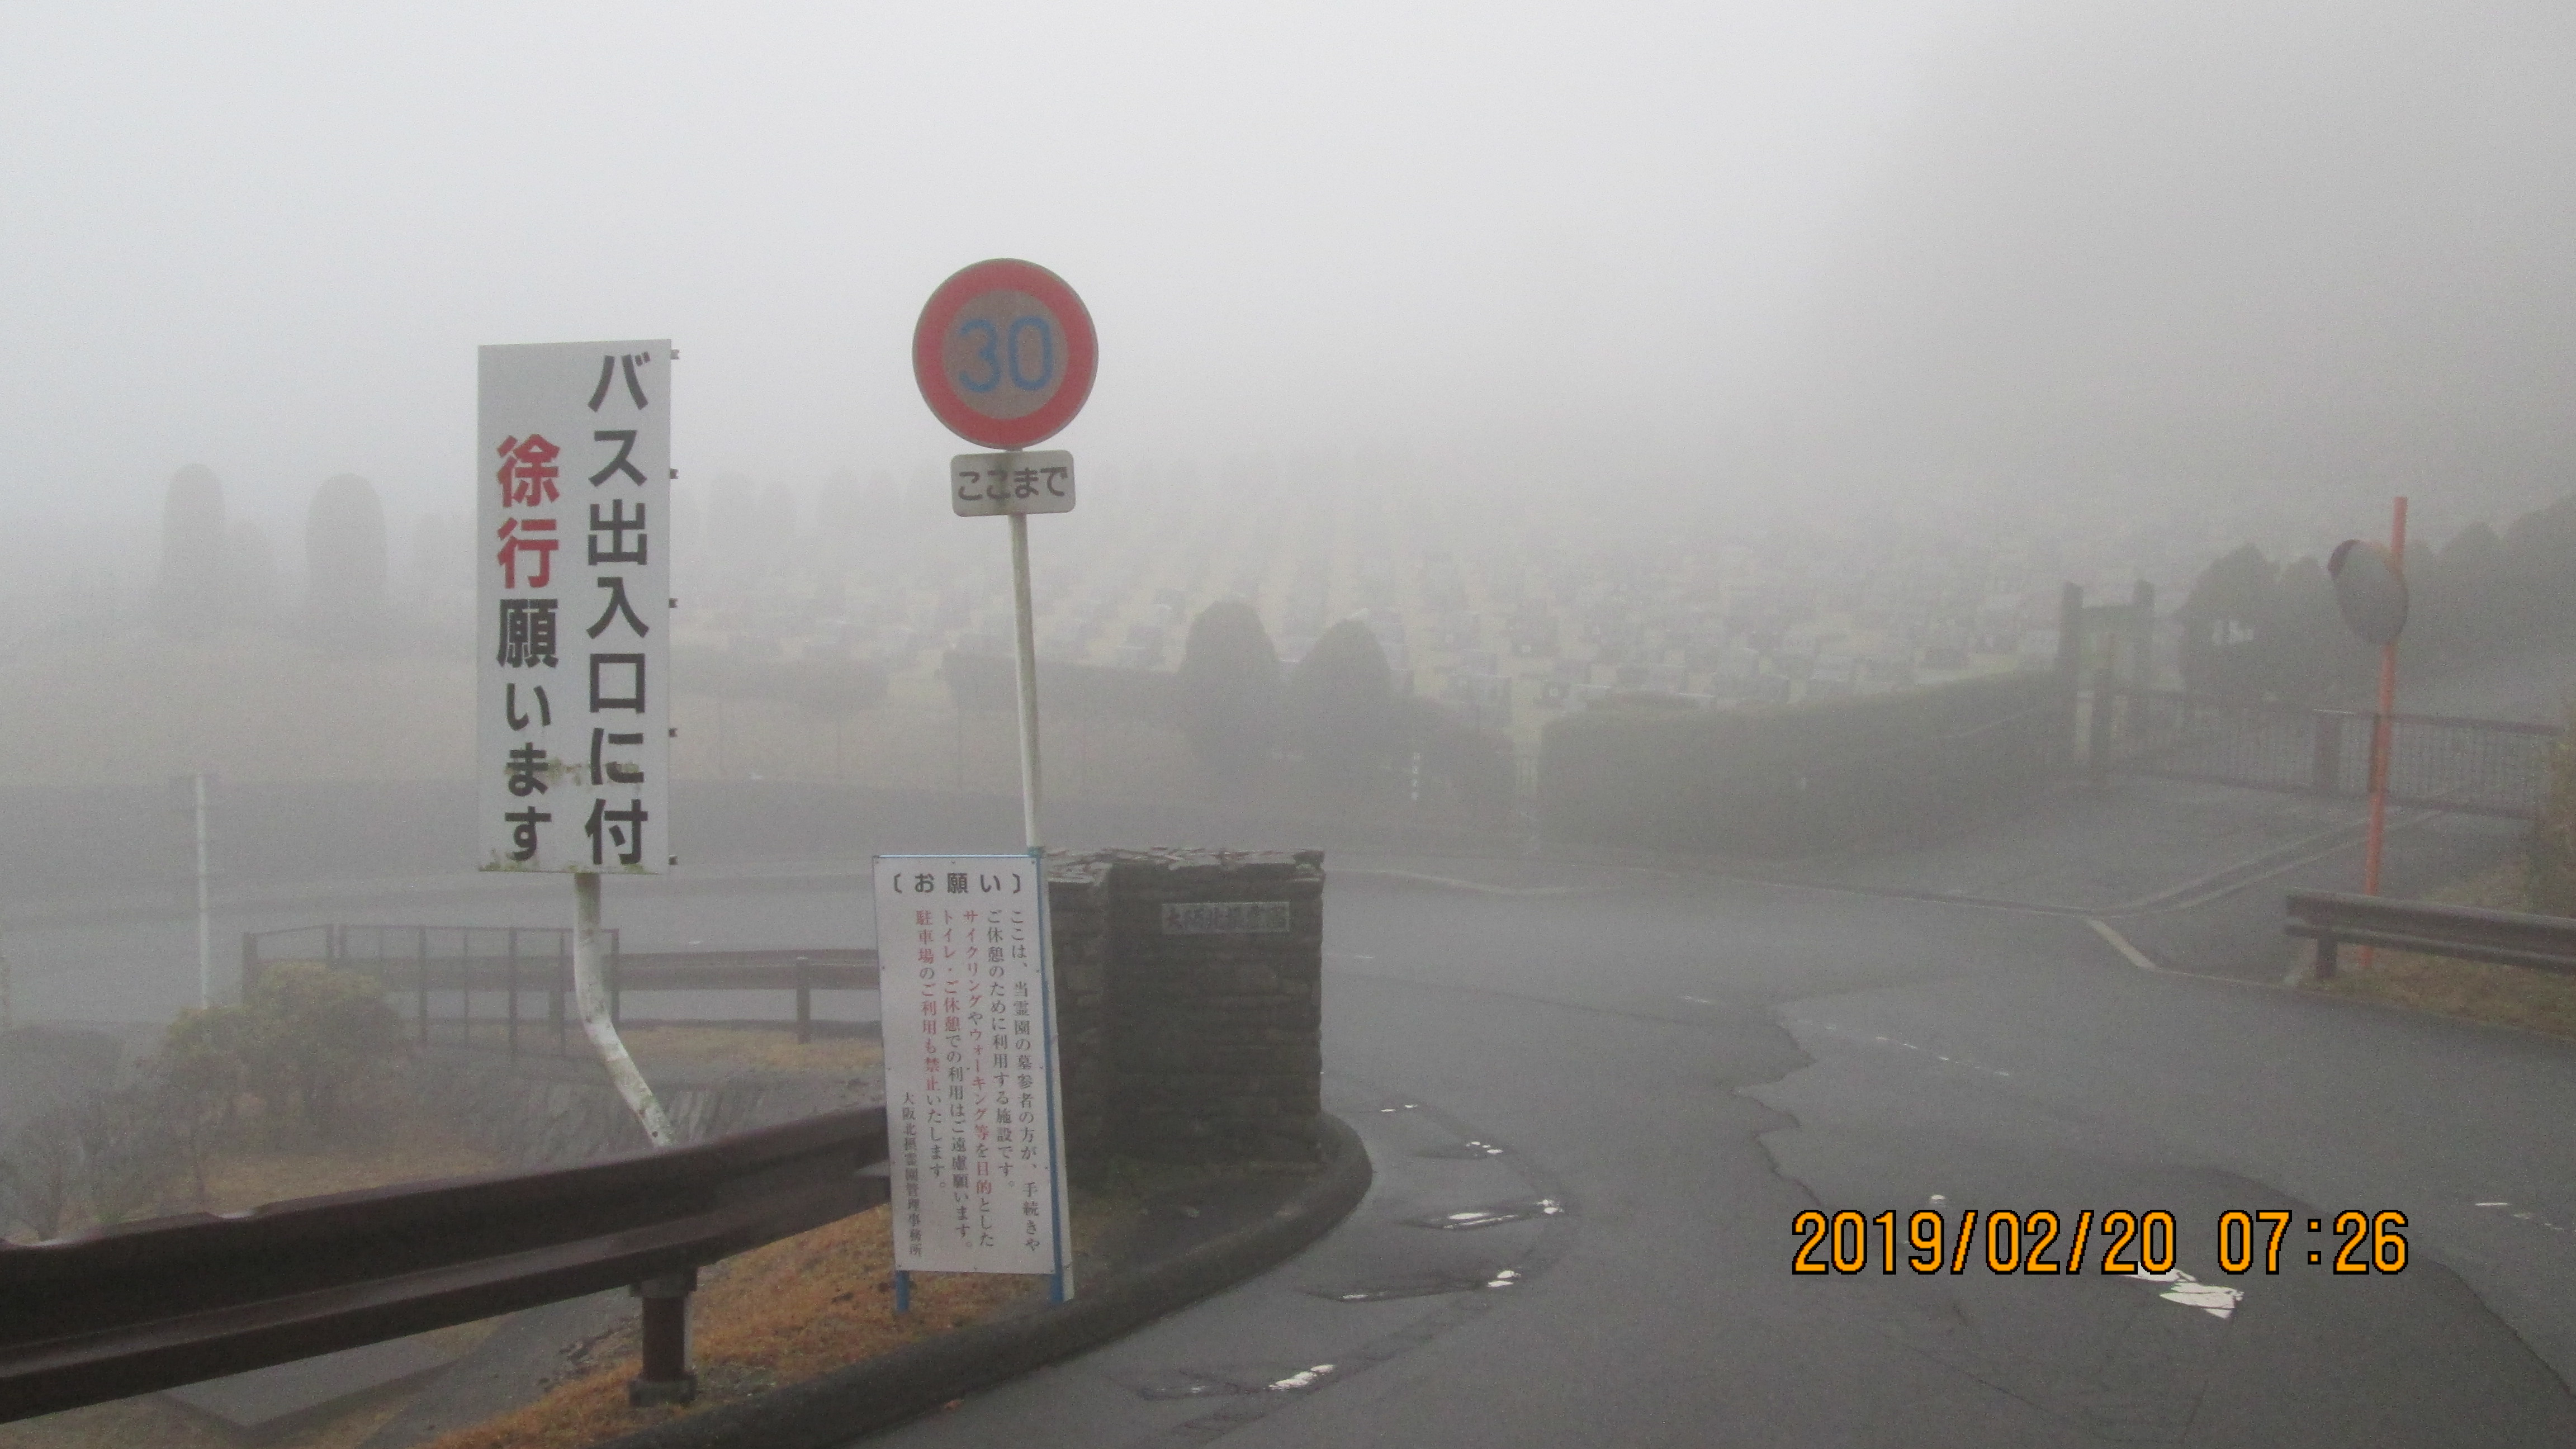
188 591
1229 687
1341 707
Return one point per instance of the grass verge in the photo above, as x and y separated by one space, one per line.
2472 990
802 1307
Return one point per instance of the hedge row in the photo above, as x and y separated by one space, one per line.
1785 780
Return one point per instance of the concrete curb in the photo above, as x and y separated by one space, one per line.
883 1392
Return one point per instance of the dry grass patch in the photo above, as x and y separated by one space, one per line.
790 1311
2473 990
415 1149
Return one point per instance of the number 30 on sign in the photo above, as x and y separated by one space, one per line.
1005 354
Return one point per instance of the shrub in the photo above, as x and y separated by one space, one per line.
1799 778
306 1038
1229 687
43 1169
315 1032
129 1154
202 1078
1342 715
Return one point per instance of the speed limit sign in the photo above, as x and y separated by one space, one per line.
1005 354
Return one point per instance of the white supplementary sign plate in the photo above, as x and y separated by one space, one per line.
573 686
974 1128
982 485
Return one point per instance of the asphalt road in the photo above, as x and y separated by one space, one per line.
1684 1065
1678 1059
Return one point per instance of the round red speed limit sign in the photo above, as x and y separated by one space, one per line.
1004 353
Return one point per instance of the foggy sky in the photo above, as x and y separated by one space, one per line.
1818 254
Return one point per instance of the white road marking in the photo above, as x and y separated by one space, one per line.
1826 1026
2215 1299
2535 1219
1299 1380
2144 962
2121 944
1699 1001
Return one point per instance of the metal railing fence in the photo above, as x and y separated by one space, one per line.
2475 766
510 987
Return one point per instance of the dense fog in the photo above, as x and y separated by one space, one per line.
1733 353
2214 266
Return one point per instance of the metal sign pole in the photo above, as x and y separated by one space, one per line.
1028 652
591 994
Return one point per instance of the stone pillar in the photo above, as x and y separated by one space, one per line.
1078 928
1204 977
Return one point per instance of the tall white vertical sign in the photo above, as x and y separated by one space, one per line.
972 1117
574 688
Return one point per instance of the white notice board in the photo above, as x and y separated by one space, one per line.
573 689
972 1105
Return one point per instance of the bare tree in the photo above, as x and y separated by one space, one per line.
44 1158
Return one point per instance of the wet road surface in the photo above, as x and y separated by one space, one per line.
1683 1067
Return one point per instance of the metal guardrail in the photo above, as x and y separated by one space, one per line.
151 1305
2440 762
2334 920
436 966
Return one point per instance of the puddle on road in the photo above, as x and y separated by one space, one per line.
1468 1151
1424 1287
1486 1217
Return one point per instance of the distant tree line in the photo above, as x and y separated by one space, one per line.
1336 717
217 573
2254 627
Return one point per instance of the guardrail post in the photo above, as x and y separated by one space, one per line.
250 963
2325 776
666 1378
420 978
804 1001
2326 951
